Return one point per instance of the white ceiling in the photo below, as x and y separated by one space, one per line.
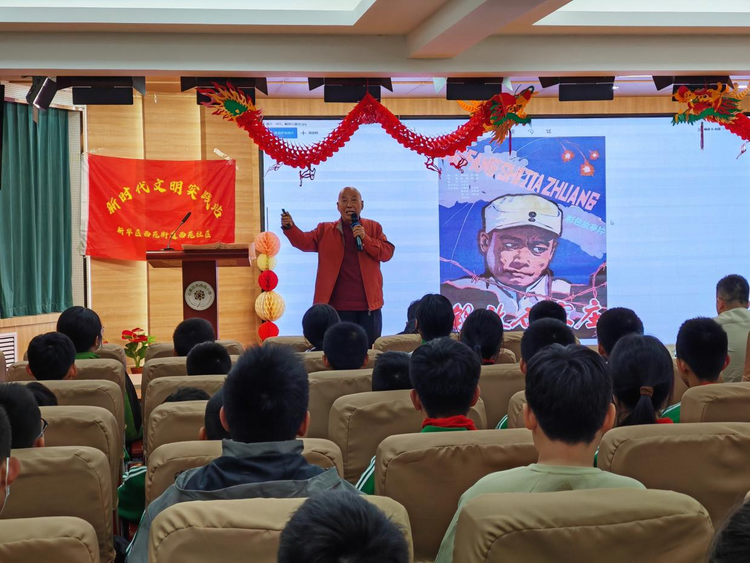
409 40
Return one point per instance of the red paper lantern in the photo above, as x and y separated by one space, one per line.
267 330
268 280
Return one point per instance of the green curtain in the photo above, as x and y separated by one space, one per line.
35 223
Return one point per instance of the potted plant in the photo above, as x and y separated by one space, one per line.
138 343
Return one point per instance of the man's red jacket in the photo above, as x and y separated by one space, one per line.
328 241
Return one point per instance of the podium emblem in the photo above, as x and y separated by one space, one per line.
199 295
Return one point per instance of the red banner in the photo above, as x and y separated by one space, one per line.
134 205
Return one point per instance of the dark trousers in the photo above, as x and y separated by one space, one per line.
371 321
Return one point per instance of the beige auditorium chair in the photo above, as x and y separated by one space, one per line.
173 422
313 361
3 368
157 390
93 427
298 343
498 384
612 525
358 423
707 461
512 342
515 410
234 530
106 352
89 392
172 366
65 481
398 343
55 539
107 369
169 460
428 473
726 402
326 387
166 349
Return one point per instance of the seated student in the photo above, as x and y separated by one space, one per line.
391 372
732 541
642 379
26 422
84 327
538 336
190 333
435 317
483 332
10 467
265 408
411 318
212 428
702 354
43 396
345 347
208 358
187 394
548 309
445 375
613 325
51 356
339 528
569 408
316 321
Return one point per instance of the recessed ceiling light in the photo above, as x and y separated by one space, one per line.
615 87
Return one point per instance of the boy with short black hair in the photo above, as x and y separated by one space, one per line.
208 358
569 408
434 317
445 375
265 409
702 354
184 394
548 309
26 424
316 321
44 397
391 372
191 332
51 356
84 328
345 347
346 528
212 428
613 325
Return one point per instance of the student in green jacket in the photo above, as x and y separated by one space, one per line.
702 354
445 377
569 394
84 327
539 335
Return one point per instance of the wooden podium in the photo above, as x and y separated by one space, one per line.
200 280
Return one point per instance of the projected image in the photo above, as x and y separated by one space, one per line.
523 226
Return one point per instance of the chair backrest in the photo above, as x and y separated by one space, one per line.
65 481
499 383
234 530
102 368
157 390
89 392
512 341
3 368
173 422
428 473
93 427
398 343
358 423
613 525
171 366
169 460
326 387
55 539
707 461
298 343
166 349
727 402
313 361
515 410
113 352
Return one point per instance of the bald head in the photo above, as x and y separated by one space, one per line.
350 201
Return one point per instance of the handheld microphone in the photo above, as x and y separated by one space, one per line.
184 219
355 222
285 227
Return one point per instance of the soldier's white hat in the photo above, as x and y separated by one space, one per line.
523 210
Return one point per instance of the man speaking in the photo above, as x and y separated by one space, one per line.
350 251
